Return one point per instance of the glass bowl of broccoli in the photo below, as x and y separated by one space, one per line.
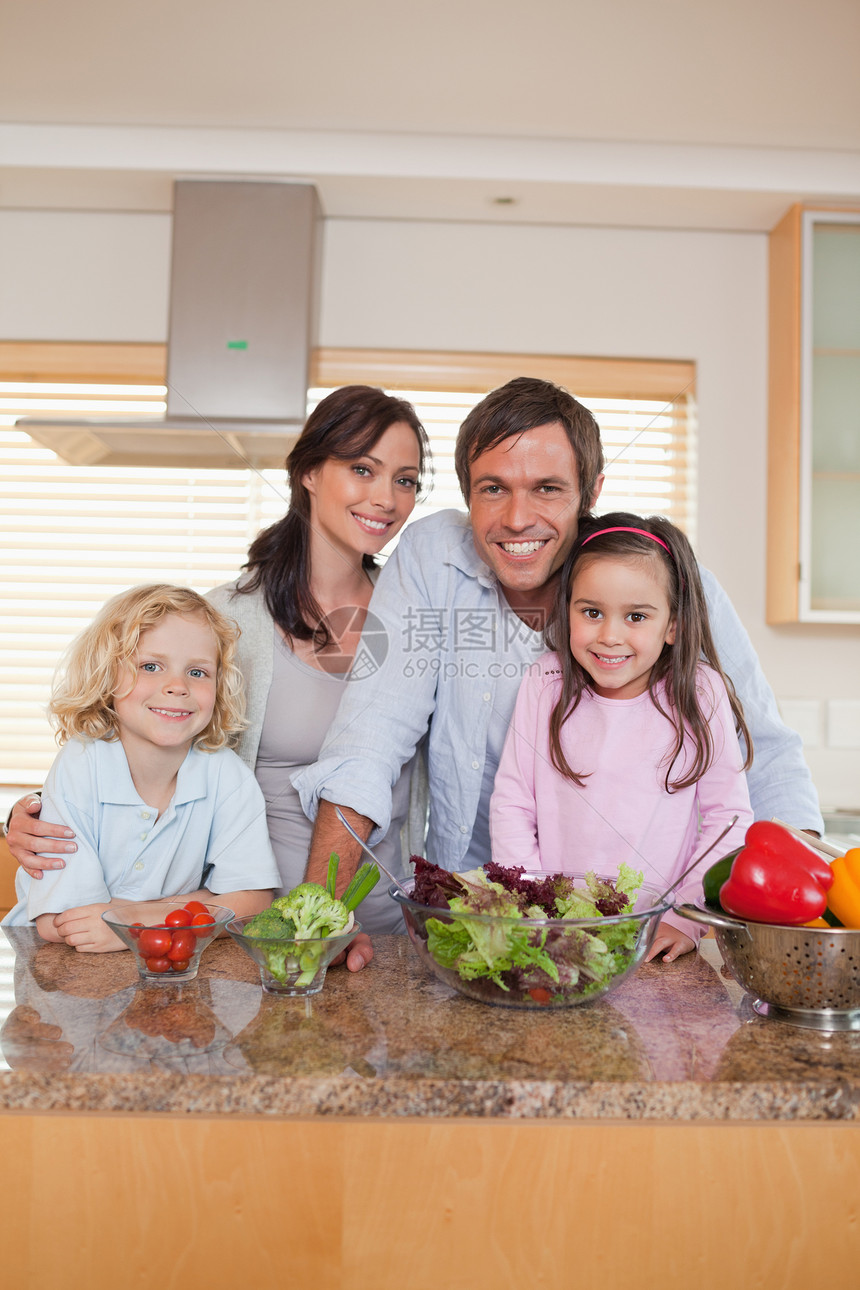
295 939
289 965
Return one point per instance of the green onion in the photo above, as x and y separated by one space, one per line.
333 862
366 878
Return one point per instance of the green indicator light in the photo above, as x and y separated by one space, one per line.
237 344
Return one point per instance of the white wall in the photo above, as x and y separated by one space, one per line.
633 293
75 275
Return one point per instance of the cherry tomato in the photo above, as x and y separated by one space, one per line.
540 995
181 965
184 944
178 918
154 942
196 907
135 929
158 965
202 924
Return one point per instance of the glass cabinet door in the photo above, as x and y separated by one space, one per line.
830 418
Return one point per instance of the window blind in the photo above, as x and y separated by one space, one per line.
645 408
648 446
71 536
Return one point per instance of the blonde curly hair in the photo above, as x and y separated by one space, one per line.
102 658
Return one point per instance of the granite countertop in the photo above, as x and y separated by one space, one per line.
674 1042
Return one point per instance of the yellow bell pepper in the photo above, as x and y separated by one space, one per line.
843 898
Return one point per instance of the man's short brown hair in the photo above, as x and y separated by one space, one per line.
521 405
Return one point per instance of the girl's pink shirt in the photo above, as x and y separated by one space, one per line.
540 820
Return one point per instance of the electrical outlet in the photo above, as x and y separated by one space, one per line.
843 723
804 716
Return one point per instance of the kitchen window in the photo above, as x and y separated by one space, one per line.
74 535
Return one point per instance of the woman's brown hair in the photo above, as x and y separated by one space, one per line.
677 666
343 426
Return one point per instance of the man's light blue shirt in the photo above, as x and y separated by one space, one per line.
456 654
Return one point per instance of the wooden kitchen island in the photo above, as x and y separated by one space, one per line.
390 1133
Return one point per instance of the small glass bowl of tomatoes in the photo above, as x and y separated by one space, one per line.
167 937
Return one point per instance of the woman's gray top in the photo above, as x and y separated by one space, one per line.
290 706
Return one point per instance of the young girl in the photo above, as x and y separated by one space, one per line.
624 743
148 704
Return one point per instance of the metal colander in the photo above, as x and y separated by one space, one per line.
806 975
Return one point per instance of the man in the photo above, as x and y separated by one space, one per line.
463 600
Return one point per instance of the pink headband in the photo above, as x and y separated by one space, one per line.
621 529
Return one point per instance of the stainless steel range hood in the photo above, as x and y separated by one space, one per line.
244 296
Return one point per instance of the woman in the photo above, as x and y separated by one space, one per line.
354 475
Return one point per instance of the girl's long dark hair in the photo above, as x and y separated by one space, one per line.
344 425
677 665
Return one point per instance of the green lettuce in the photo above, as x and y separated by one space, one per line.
475 949
517 955
576 905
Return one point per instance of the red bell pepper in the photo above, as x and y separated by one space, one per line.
776 878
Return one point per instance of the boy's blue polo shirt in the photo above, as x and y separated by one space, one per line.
213 831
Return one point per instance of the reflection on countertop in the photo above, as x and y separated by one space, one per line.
672 1042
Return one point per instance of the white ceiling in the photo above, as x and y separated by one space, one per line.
656 112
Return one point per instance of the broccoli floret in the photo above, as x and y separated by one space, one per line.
271 925
276 959
314 912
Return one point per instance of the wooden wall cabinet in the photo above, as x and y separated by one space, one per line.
813 559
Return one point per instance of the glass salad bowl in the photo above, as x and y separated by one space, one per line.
531 962
291 967
166 946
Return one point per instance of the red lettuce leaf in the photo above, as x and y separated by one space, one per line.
434 885
530 891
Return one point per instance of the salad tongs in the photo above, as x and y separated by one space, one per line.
340 815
